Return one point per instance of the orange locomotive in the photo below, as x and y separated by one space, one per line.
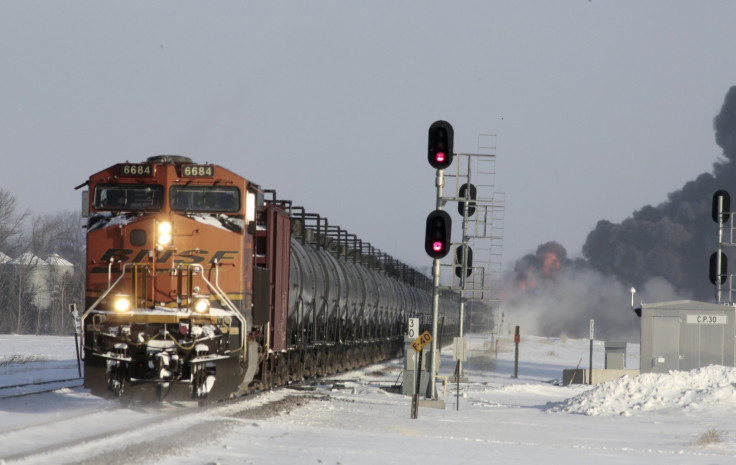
196 287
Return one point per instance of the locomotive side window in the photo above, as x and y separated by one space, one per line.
211 199
128 197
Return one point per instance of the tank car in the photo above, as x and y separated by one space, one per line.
201 285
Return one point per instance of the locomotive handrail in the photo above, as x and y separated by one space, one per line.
99 299
107 291
109 271
220 294
223 298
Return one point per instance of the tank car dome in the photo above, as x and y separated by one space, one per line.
169 159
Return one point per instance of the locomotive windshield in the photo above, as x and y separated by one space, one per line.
210 199
135 197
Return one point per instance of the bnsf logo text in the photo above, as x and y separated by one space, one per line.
186 257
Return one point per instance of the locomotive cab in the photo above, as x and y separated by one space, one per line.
168 305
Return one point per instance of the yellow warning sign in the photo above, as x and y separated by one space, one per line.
419 343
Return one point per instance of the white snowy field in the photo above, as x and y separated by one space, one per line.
677 418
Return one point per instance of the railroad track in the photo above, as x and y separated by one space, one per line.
134 434
38 387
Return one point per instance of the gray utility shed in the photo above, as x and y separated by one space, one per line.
684 334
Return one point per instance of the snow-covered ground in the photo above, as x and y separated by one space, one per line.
353 419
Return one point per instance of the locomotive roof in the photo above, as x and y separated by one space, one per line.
159 160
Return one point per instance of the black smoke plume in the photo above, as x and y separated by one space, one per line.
673 240
663 251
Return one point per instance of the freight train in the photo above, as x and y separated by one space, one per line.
201 285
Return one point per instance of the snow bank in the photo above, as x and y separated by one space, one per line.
707 391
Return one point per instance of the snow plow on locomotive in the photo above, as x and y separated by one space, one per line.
201 285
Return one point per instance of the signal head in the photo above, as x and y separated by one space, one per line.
725 206
440 142
470 192
459 252
437 235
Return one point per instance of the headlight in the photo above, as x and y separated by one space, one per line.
164 233
121 304
202 305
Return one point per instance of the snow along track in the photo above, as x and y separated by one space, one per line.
39 387
136 435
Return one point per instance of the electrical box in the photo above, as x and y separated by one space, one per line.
460 346
411 362
615 355
685 334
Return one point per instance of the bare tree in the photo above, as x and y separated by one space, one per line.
7 303
11 223
70 241
29 291
66 289
33 292
60 233
11 240
59 238
43 235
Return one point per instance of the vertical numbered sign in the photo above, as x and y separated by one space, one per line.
413 330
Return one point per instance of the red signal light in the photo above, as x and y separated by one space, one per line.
440 145
437 235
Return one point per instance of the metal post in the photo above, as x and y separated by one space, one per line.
462 313
463 278
457 393
517 340
418 381
75 317
440 182
590 372
592 335
464 263
720 250
432 391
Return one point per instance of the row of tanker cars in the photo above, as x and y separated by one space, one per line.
202 286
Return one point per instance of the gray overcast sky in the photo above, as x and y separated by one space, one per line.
599 107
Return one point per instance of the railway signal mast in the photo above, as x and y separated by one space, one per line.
481 209
439 226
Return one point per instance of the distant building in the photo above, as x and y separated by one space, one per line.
59 264
38 275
